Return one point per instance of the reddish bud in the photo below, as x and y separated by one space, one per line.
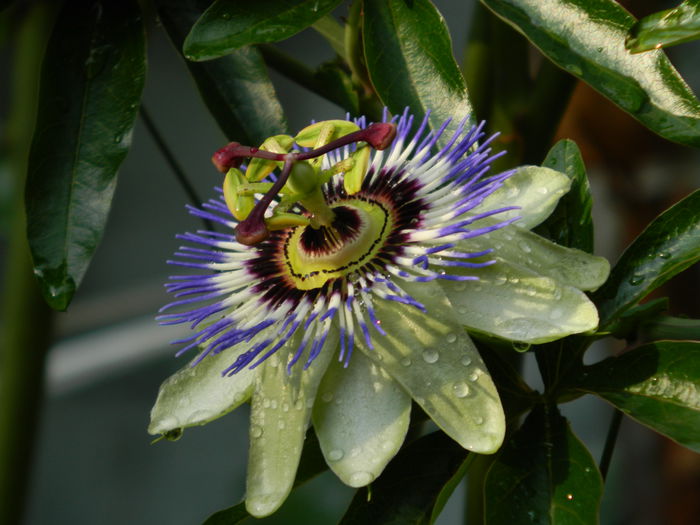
251 231
379 135
227 157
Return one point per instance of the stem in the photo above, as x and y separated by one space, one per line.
304 76
475 489
610 441
173 163
332 31
25 335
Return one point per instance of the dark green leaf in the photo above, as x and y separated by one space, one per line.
669 245
657 384
587 39
570 224
668 327
312 464
235 88
411 487
409 58
666 28
91 83
627 325
544 476
334 81
230 24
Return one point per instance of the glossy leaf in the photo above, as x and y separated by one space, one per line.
544 476
312 464
229 24
657 384
666 28
409 58
91 83
587 39
411 486
570 224
236 88
669 245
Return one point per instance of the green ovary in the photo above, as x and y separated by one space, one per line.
338 250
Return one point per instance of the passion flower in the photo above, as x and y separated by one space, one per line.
351 263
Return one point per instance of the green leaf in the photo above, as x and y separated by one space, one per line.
587 39
570 224
312 464
412 485
669 245
229 24
409 58
666 28
236 88
91 83
544 475
657 384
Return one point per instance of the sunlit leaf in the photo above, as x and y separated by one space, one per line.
657 384
587 39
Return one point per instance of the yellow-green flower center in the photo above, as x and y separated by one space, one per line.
314 256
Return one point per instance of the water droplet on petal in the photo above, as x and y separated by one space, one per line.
461 389
451 338
273 404
524 247
501 279
636 279
479 420
569 496
336 454
360 479
466 360
285 407
266 403
519 346
665 255
542 190
474 376
256 431
430 356
406 361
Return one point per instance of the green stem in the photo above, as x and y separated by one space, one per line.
333 32
475 489
173 163
25 336
610 441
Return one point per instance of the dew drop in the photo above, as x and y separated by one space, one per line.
256 431
430 356
479 420
299 405
406 361
327 397
451 338
266 403
556 313
281 424
355 452
359 479
285 407
524 247
273 404
461 390
569 496
501 279
466 360
636 279
118 138
521 347
226 16
336 454
542 190
665 255
474 376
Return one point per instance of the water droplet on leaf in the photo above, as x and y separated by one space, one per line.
461 389
430 356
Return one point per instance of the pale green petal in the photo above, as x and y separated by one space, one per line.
431 356
515 303
534 189
279 416
524 248
361 416
199 394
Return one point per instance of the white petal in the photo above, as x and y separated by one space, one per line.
431 356
199 394
279 417
361 416
524 248
515 303
534 189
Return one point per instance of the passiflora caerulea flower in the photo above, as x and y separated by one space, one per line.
351 264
